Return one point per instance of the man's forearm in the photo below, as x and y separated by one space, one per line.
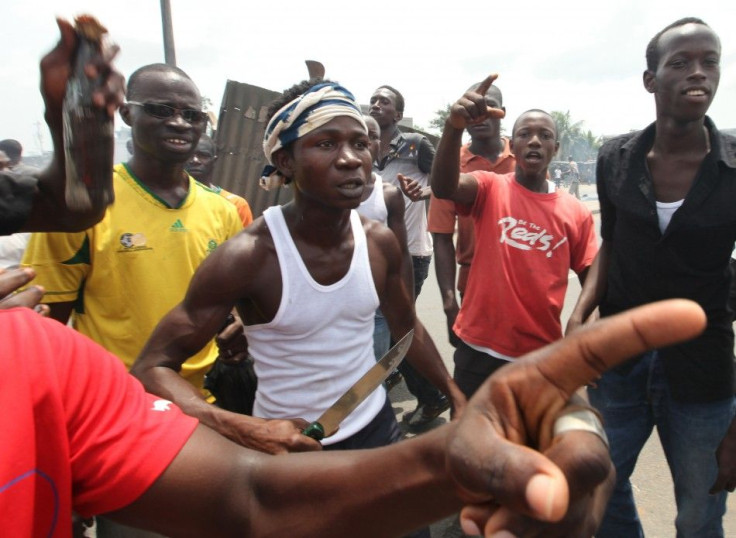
445 268
420 485
594 288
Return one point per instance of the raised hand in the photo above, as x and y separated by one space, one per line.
56 68
13 279
471 108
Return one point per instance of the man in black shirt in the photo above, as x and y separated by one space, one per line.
667 197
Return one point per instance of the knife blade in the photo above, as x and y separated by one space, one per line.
328 422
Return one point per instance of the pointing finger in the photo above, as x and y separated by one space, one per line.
483 87
586 354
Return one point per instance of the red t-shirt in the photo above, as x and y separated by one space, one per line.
442 215
78 432
525 245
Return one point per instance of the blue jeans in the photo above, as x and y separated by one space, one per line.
632 402
381 335
423 390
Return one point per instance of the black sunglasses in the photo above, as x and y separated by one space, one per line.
159 110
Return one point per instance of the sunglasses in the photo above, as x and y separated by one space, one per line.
158 110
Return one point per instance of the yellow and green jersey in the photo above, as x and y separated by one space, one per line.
125 273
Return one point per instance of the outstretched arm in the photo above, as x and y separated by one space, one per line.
186 329
557 489
446 180
49 211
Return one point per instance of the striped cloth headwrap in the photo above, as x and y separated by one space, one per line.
315 107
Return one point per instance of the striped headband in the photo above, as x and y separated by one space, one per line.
311 110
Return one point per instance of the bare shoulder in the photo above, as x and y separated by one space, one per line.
380 236
246 255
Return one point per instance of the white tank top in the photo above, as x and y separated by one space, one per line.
374 207
321 339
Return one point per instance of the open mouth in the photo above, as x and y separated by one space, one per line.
533 156
696 92
353 187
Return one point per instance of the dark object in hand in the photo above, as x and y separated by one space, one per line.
233 385
88 129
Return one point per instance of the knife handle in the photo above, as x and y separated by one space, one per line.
315 431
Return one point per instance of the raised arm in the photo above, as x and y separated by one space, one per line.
446 180
49 211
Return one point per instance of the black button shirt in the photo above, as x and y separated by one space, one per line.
689 260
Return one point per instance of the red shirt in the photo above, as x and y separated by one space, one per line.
526 244
78 432
442 215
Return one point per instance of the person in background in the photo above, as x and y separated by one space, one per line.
384 203
405 160
201 167
487 150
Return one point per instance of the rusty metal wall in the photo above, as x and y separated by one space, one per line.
239 141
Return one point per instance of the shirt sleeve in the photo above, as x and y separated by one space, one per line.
121 439
584 251
16 200
426 155
61 262
441 217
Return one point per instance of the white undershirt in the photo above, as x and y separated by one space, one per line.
665 210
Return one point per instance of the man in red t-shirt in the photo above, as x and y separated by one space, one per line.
487 150
528 237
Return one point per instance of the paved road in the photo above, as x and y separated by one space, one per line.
651 480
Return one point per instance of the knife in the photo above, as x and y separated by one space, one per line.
327 424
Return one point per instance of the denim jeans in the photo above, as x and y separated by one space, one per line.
423 390
381 335
632 402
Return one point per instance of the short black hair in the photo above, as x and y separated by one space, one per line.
12 149
134 79
399 104
652 53
207 138
291 93
513 129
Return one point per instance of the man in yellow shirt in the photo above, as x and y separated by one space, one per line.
118 278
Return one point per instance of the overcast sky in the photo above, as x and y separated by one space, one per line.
585 57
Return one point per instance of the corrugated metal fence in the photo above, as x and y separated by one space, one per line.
239 140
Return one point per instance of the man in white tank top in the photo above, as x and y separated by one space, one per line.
306 279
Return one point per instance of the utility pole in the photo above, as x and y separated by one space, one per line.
168 27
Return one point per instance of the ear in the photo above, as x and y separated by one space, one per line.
511 143
284 162
399 116
557 148
649 79
124 111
